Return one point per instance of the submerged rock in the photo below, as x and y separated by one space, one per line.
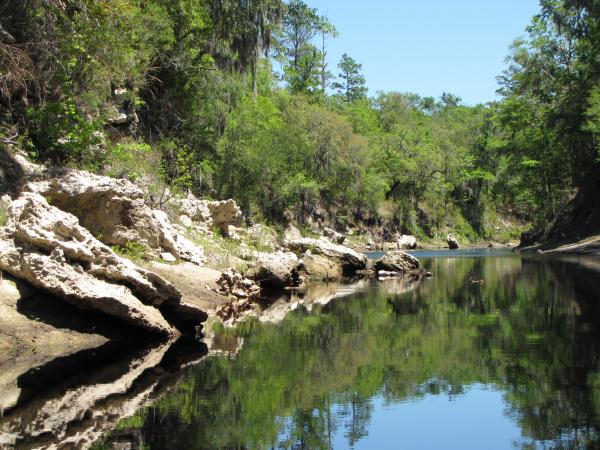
348 259
50 250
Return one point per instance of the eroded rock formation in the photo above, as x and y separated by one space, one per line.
114 211
400 263
277 270
407 242
206 214
350 260
50 250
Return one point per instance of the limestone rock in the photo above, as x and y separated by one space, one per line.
319 268
206 214
198 285
174 242
115 212
47 248
33 332
168 257
186 221
278 269
334 236
196 209
407 242
398 262
349 260
452 242
224 213
291 233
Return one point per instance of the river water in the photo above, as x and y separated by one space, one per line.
496 351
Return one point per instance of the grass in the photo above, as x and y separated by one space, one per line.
222 251
133 251
3 213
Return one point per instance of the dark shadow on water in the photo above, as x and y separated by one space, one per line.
74 399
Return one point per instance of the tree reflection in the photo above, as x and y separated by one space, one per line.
529 330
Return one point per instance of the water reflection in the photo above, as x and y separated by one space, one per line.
72 401
497 352
512 361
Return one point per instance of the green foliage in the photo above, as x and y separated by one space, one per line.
129 160
352 85
62 135
3 213
134 251
214 119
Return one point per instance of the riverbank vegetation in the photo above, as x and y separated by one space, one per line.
238 99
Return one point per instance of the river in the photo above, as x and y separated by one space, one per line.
496 351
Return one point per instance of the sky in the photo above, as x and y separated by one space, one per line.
428 46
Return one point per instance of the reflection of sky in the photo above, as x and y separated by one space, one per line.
467 253
474 420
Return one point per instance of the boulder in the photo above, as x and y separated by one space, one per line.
276 270
186 221
206 214
398 262
172 241
291 233
115 212
334 236
50 250
168 257
318 268
224 213
407 242
452 242
348 259
195 214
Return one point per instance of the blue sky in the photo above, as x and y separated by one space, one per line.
428 46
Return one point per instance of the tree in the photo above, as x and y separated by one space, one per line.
248 27
352 84
552 79
326 29
301 60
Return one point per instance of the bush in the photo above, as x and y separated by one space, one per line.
61 135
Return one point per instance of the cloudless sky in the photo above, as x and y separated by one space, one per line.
428 46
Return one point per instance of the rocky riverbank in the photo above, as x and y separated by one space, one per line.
100 248
104 294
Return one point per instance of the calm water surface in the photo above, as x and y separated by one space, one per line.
511 361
